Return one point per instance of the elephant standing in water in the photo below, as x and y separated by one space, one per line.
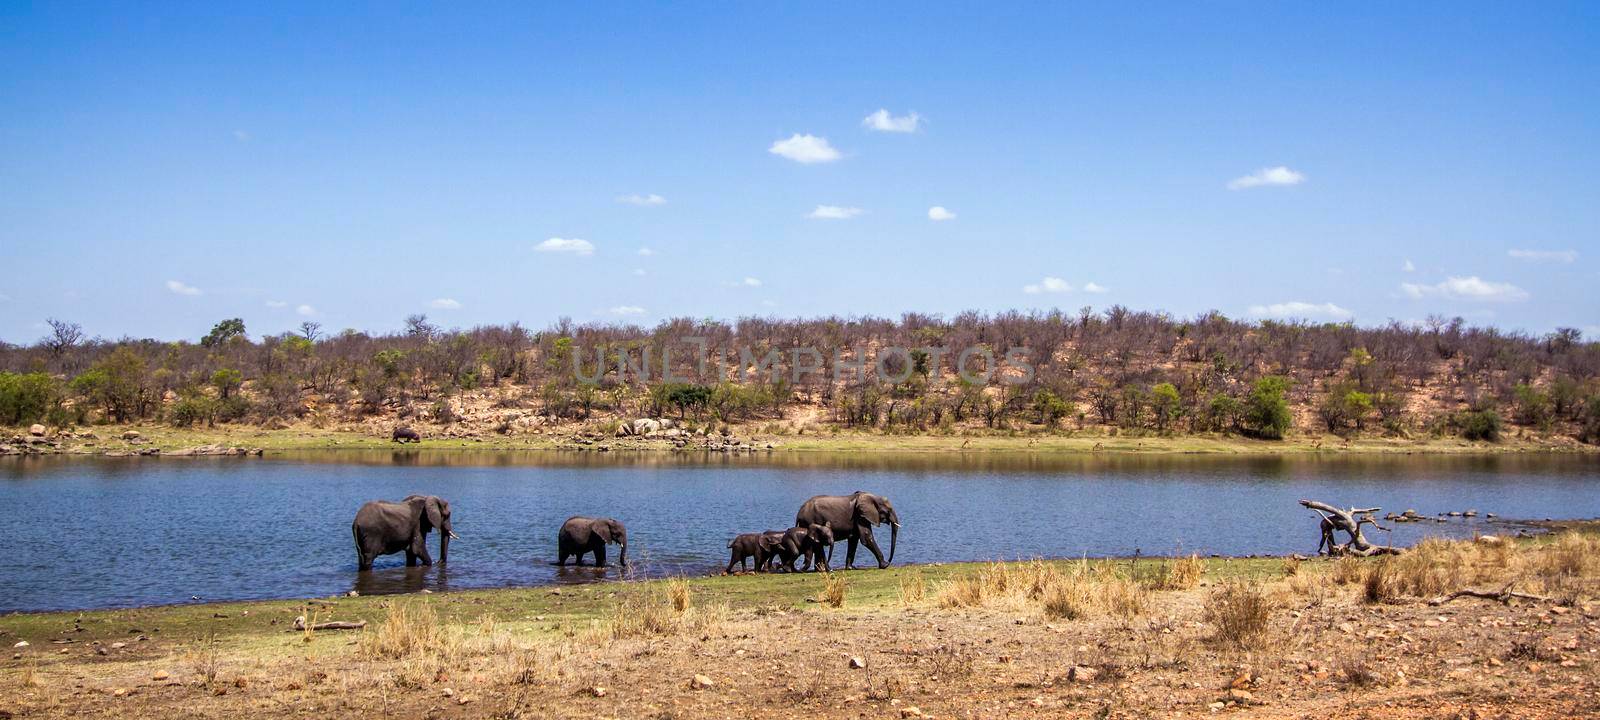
581 535
383 528
851 518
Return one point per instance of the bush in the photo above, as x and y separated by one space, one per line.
1266 411
1240 613
193 409
1479 424
26 398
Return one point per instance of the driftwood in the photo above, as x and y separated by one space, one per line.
300 624
1350 522
1504 596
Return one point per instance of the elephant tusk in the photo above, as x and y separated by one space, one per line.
452 534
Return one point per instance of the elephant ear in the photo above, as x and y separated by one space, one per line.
867 507
602 529
435 515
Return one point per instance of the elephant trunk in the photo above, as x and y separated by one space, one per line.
894 532
622 555
444 544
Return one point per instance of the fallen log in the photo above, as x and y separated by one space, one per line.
1350 522
300 624
1504 596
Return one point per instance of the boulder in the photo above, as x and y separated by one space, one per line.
36 430
1082 674
131 435
701 682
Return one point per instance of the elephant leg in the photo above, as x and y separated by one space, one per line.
600 556
729 571
866 539
411 559
850 553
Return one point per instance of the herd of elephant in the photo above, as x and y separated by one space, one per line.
384 528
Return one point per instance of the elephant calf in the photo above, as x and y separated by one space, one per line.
383 528
761 546
406 435
813 544
581 535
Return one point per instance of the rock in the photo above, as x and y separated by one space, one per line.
597 691
121 692
352 593
160 675
911 712
118 645
131 435
1082 674
23 643
1216 706
1241 696
448 692
1490 540
36 430
857 663
701 682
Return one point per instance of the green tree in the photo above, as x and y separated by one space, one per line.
222 332
226 382
1481 424
1266 410
116 384
1165 403
1051 407
26 398
1533 406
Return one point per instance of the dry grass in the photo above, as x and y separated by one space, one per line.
1240 614
913 587
678 592
834 586
411 629
1179 573
1348 570
1074 593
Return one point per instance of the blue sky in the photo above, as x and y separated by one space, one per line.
163 168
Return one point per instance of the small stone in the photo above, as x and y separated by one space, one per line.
120 692
1495 662
464 699
1082 674
597 691
1535 668
1569 662
857 663
701 682
118 645
160 675
1216 706
911 712
1241 696
352 593
1346 628
99 650
1036 701
448 692
36 430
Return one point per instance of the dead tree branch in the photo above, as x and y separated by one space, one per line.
1350 522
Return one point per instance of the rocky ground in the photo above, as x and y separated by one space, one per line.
1256 638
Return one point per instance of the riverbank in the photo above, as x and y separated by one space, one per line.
120 440
1110 638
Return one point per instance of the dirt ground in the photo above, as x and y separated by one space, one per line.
715 649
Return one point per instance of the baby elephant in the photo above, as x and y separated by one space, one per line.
581 535
813 544
761 546
406 435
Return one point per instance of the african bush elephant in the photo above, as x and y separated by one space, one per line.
383 528
851 518
813 544
761 546
405 435
581 535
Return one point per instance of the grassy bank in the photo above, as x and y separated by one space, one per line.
108 439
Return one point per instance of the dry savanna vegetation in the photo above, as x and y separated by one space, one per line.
1118 373
1469 629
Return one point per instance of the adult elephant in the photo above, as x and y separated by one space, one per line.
581 535
851 518
382 528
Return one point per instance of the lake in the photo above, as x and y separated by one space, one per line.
115 532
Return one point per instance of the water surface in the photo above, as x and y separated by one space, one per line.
109 532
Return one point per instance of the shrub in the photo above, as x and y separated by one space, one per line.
26 398
833 589
1179 573
1240 613
192 408
1266 411
1479 424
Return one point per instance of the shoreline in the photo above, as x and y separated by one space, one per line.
166 441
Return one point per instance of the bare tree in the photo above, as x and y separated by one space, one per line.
63 336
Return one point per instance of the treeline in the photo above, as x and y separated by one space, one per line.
1121 368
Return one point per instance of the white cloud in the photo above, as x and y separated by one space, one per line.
566 245
646 252
1299 309
642 200
1267 177
746 282
445 304
937 213
305 310
1096 288
626 310
805 149
1407 266
882 121
834 212
277 304
1048 285
181 288
1466 288
1565 257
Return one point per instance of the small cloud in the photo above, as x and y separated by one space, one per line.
277 304
1466 288
642 200
626 310
1407 266
805 149
882 121
241 136
646 252
1096 288
1048 285
1565 257
937 213
746 282
1298 309
445 304
181 288
834 212
639 272
305 310
1268 177
566 245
